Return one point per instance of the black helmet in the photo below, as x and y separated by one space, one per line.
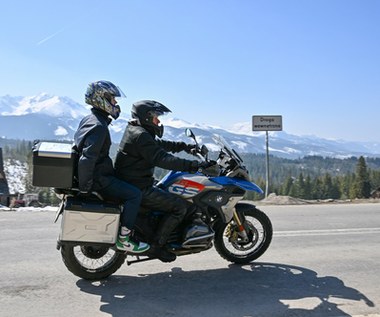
99 95
144 111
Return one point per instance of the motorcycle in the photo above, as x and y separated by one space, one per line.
218 217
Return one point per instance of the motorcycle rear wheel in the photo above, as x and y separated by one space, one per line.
232 247
91 262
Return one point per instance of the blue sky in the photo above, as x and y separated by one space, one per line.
217 62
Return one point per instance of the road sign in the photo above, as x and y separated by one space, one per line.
266 123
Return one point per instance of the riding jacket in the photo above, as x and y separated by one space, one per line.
139 152
93 142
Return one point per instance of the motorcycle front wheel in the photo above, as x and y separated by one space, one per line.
91 262
233 247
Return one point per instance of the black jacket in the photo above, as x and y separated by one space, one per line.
140 152
95 168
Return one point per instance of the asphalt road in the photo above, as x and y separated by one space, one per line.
323 261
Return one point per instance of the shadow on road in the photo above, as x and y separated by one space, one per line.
259 289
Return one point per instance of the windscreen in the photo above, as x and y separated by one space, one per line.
224 145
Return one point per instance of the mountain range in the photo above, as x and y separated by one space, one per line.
47 117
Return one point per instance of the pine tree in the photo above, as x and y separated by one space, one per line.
317 189
345 183
326 185
375 179
301 186
352 189
308 188
287 186
362 186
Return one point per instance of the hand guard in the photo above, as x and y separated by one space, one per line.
210 168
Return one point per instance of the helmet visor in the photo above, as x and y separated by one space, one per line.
157 113
159 110
120 96
114 97
121 93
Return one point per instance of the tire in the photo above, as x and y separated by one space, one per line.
91 262
231 246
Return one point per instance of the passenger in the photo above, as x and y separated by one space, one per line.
139 153
95 167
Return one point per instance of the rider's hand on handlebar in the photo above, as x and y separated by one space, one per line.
191 149
210 168
206 164
197 166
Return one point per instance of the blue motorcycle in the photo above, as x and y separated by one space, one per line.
218 216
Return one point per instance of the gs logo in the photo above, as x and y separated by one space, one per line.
186 188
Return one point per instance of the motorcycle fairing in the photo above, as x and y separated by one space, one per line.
221 201
186 188
169 177
243 184
187 185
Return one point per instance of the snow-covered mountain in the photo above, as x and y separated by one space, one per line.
56 118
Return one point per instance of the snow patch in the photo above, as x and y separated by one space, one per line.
45 104
240 145
60 131
181 124
16 173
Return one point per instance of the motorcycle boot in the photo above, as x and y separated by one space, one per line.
157 248
175 208
159 252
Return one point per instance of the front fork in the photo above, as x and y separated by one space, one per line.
241 230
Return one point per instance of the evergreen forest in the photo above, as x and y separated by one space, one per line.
310 177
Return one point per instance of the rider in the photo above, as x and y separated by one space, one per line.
95 167
140 151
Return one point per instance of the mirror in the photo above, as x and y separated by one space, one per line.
189 133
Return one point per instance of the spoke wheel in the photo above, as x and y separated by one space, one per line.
233 247
91 262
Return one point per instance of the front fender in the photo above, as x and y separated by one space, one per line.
242 207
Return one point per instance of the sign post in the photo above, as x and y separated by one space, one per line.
267 123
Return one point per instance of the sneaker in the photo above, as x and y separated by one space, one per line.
125 243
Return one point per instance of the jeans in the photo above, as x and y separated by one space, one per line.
129 195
